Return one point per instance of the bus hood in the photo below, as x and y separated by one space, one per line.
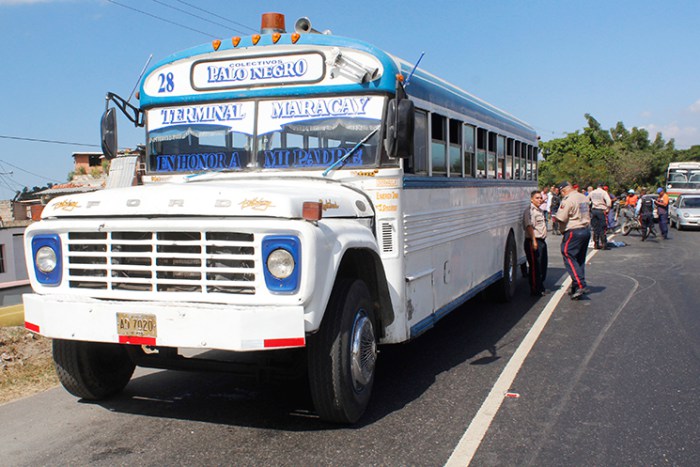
279 198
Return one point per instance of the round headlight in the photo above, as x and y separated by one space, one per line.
45 259
280 263
686 215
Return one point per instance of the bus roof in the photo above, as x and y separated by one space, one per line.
423 85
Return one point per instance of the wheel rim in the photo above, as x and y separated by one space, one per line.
363 351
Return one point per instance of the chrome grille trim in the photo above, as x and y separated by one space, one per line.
162 261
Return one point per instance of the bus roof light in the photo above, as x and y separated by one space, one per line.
295 37
235 41
256 39
271 23
216 43
312 211
276 37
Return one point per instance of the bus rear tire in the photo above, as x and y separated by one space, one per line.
504 290
342 354
92 370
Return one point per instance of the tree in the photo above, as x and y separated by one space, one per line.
620 158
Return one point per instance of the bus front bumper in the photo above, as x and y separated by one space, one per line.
186 325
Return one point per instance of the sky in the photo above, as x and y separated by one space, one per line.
548 62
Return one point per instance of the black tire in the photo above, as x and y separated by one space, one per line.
342 354
645 233
504 290
92 370
626 228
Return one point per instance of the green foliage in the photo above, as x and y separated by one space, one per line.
620 158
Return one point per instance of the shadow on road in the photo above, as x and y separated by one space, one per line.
404 373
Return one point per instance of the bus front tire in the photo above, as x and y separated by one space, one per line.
342 354
92 370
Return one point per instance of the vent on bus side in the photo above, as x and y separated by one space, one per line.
388 233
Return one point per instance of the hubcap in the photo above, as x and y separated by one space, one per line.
363 349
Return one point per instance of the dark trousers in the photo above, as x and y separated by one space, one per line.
574 247
663 223
537 265
598 223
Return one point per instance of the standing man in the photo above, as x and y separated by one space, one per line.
535 227
546 202
662 209
600 205
645 211
574 218
556 199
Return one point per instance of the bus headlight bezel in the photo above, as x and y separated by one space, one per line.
47 259
281 256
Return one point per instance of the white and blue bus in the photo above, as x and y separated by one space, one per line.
295 194
682 178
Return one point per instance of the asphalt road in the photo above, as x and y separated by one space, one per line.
613 379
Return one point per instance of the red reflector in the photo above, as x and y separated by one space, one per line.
31 327
290 342
312 211
137 340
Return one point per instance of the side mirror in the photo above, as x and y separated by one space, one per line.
108 133
400 119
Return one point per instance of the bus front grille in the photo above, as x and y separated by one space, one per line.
162 261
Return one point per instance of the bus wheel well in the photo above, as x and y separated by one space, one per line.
366 265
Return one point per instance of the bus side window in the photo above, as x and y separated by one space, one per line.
469 150
419 164
534 162
455 152
438 144
509 159
481 153
501 157
491 156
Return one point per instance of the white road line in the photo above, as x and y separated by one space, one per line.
471 440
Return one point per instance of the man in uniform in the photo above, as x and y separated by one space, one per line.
645 210
535 226
574 220
600 205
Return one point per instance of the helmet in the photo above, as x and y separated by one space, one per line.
630 191
659 190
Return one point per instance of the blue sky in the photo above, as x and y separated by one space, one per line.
547 62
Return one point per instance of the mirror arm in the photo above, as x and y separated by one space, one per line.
134 114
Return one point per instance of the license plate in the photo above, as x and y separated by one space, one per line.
141 325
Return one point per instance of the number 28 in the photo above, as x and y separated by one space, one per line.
166 83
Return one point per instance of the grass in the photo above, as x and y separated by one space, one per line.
12 315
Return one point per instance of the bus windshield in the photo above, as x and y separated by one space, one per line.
281 134
684 178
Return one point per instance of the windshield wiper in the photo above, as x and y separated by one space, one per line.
350 152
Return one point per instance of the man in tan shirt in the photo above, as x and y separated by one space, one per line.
535 227
600 205
574 220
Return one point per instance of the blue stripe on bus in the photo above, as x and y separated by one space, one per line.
419 181
427 323
386 84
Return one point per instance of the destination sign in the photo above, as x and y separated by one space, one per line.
245 72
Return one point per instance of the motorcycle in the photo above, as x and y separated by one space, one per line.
632 223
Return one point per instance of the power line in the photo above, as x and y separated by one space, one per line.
161 19
217 16
37 140
197 16
30 173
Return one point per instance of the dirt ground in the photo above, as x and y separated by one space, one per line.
26 366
